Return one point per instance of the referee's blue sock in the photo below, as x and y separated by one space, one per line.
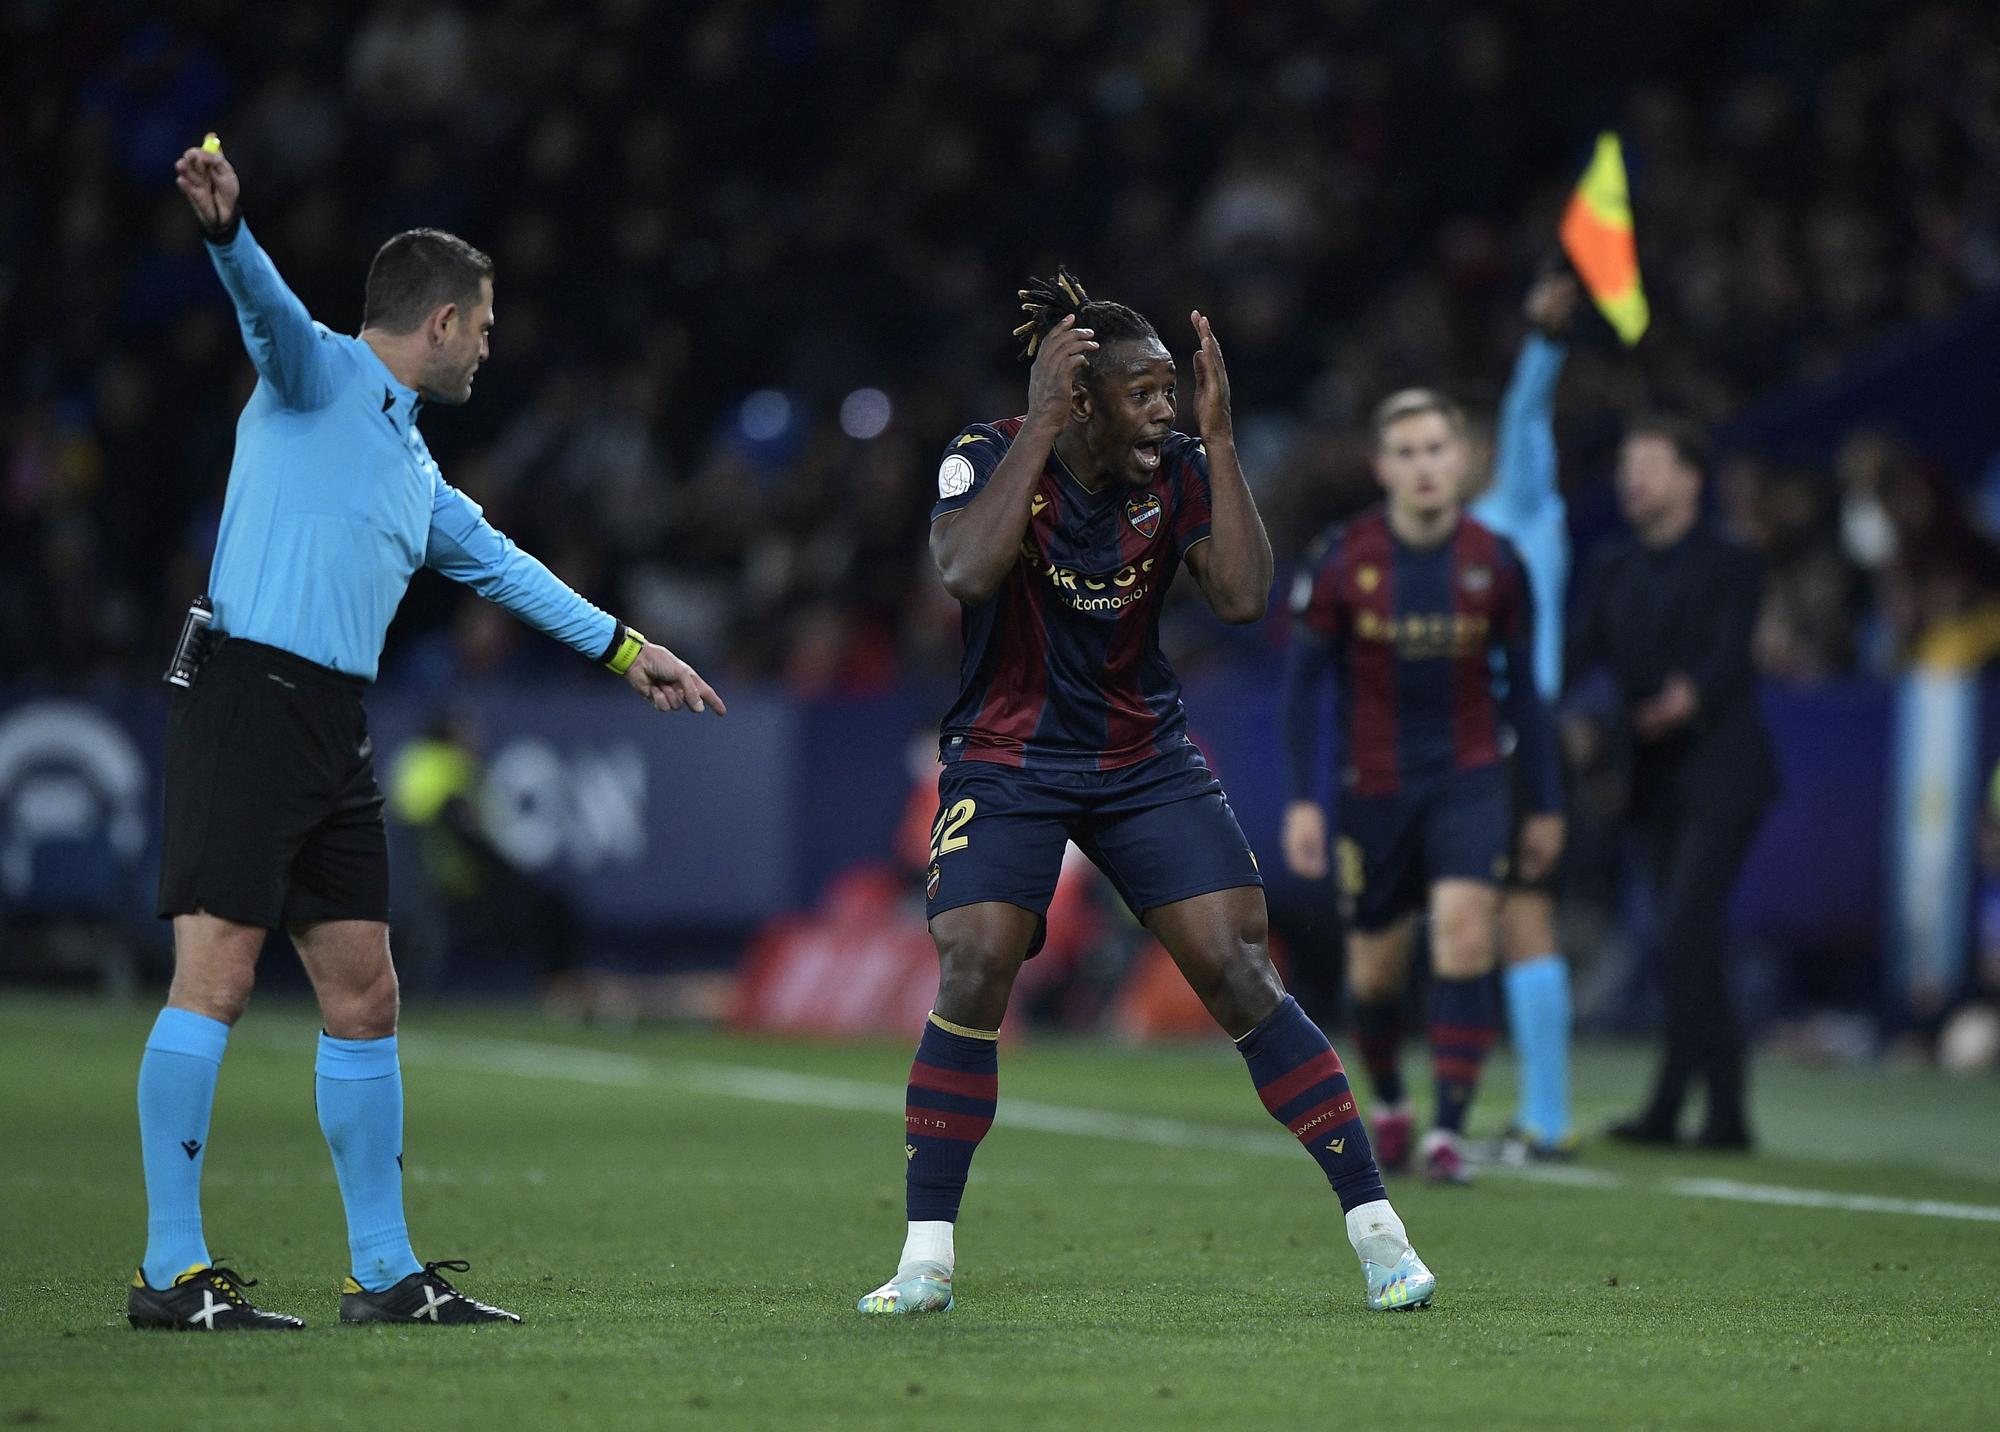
176 1094
1538 1017
359 1089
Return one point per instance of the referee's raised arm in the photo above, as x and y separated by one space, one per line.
288 348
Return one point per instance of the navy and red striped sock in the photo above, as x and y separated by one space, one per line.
1378 1030
954 1086
1300 1080
1462 1029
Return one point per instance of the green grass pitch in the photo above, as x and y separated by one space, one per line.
686 1220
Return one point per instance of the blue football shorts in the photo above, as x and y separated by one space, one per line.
1161 830
1393 848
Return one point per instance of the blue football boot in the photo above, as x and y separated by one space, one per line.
920 1288
1406 1284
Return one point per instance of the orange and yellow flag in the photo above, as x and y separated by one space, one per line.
1597 235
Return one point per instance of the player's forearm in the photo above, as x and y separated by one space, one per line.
1534 734
1307 666
1237 578
976 548
277 331
1583 647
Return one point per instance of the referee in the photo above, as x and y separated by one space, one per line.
1669 617
273 816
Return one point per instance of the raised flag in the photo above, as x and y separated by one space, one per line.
1597 236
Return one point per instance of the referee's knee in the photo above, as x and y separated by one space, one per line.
354 978
363 1010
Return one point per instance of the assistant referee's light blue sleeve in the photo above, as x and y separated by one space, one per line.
1524 473
295 355
1525 504
467 548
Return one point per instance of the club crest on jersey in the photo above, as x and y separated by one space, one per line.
1477 579
1144 514
1036 504
931 881
1368 579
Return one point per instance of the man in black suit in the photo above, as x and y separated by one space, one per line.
1668 616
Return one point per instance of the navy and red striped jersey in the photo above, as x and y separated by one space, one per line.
1430 650
1062 666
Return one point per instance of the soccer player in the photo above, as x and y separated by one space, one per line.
273 815
1517 498
1416 608
1060 531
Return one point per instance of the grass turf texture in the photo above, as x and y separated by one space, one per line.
689 1257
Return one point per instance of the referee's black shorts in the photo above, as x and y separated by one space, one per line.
273 816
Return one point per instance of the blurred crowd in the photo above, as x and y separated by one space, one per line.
756 263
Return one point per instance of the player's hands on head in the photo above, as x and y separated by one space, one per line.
1304 840
1211 382
670 683
1058 366
210 185
1542 839
1551 302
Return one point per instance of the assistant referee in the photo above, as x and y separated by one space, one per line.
273 815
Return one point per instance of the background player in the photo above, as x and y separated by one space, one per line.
273 814
1060 532
1410 605
1517 497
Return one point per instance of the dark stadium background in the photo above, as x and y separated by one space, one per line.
756 265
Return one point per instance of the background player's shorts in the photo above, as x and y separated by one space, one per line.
1551 879
272 811
1161 830
1393 848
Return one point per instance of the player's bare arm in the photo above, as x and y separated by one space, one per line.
1233 567
976 547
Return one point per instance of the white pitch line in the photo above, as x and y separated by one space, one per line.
778 1086
1729 1188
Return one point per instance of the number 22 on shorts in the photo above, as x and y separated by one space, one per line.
945 837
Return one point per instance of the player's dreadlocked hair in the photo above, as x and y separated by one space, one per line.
1048 302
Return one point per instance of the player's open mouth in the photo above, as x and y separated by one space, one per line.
1148 454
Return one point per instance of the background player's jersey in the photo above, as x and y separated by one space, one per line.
1411 637
1525 505
1062 665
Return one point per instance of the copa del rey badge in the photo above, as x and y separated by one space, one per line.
1144 514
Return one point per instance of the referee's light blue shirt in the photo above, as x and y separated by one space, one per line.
1525 506
334 500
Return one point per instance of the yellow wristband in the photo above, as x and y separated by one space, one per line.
628 651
